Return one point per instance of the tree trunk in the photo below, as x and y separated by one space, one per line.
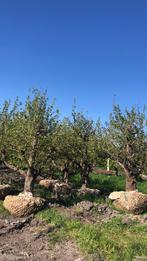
131 183
30 177
85 178
66 175
29 181
85 181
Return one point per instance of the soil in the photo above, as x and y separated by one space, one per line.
90 213
25 239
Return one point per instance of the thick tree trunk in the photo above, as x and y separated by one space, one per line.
131 183
29 181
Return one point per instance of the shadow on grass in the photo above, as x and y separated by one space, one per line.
107 184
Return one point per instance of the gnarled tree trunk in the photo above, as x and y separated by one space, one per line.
131 182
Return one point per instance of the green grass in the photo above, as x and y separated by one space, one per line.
3 212
142 186
107 183
111 241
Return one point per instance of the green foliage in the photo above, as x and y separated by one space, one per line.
124 141
63 149
33 139
31 127
85 144
7 113
25 134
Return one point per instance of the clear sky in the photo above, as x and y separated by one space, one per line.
93 50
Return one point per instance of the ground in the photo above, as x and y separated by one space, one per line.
86 229
27 239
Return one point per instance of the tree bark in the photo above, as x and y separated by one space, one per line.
85 181
85 178
29 180
30 177
66 175
131 182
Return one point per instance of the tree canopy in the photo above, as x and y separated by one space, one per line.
35 141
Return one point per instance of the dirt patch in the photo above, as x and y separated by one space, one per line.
26 239
17 242
66 251
90 213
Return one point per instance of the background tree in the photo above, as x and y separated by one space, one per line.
84 133
124 142
7 114
63 143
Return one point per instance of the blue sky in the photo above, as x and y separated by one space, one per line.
91 50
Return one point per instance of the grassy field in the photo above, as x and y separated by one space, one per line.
112 241
113 183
